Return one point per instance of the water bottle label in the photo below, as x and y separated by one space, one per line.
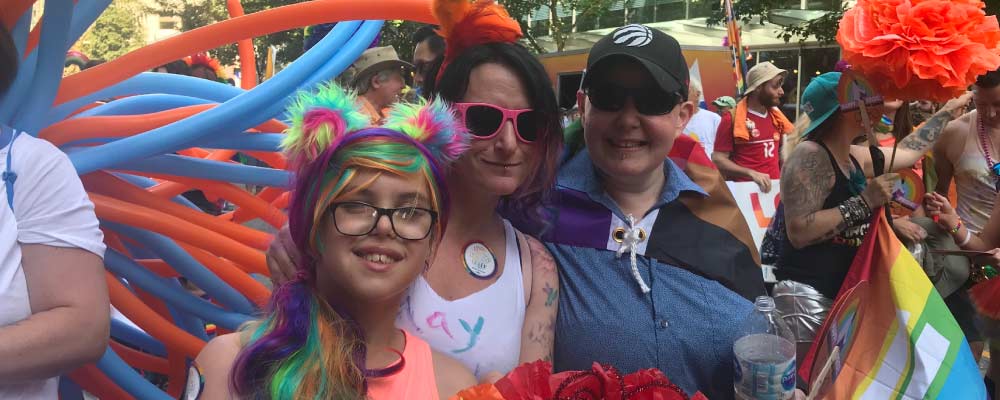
788 378
762 371
766 381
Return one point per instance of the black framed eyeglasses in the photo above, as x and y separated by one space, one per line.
354 218
650 100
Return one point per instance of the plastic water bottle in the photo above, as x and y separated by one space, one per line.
765 355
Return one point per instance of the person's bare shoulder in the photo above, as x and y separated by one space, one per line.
954 135
215 362
451 375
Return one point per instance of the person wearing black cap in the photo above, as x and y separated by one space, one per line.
655 260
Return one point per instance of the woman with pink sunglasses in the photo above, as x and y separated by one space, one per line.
490 295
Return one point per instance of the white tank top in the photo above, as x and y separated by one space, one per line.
974 183
481 330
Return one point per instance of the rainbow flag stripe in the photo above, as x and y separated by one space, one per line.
736 47
899 340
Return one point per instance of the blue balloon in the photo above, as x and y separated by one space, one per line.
253 141
338 63
86 13
136 338
150 83
245 142
188 322
48 73
143 104
187 266
173 294
20 31
128 379
69 390
144 182
231 114
207 169
346 56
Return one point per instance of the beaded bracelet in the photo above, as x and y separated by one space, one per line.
956 228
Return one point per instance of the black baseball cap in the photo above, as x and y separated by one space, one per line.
658 52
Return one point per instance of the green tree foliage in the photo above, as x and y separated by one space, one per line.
399 35
198 13
561 28
116 32
823 28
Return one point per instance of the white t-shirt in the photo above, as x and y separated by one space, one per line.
50 208
703 126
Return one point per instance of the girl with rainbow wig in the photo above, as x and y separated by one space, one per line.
491 294
368 209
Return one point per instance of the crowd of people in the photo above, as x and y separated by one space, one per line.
442 237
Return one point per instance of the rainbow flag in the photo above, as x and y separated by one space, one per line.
896 337
736 47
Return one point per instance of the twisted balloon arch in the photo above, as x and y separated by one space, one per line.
160 136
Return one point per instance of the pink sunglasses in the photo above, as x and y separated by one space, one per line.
484 121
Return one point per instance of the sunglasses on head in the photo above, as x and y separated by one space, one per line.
647 100
484 121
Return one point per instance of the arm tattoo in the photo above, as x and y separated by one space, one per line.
542 334
807 181
924 138
830 234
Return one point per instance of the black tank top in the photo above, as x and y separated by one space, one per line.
824 265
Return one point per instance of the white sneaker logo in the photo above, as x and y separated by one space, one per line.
633 35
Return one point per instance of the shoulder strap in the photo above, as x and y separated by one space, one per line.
9 176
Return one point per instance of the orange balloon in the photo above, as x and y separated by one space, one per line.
154 303
111 126
172 189
248 63
177 376
140 360
33 37
158 327
119 211
12 10
248 26
282 201
274 160
232 275
266 212
268 194
159 267
91 379
110 185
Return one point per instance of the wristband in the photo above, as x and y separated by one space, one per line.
968 237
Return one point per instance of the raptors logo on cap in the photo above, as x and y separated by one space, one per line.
633 35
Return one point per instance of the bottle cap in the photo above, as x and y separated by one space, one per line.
764 303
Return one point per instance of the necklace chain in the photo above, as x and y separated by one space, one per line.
986 142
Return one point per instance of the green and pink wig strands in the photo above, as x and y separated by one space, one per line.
305 348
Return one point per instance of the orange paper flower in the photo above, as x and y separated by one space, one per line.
920 49
484 391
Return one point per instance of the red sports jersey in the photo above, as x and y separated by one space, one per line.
761 153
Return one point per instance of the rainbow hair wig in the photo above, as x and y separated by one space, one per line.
304 347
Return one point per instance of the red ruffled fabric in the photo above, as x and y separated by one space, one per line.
920 49
534 381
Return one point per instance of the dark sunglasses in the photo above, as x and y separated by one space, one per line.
647 100
484 121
